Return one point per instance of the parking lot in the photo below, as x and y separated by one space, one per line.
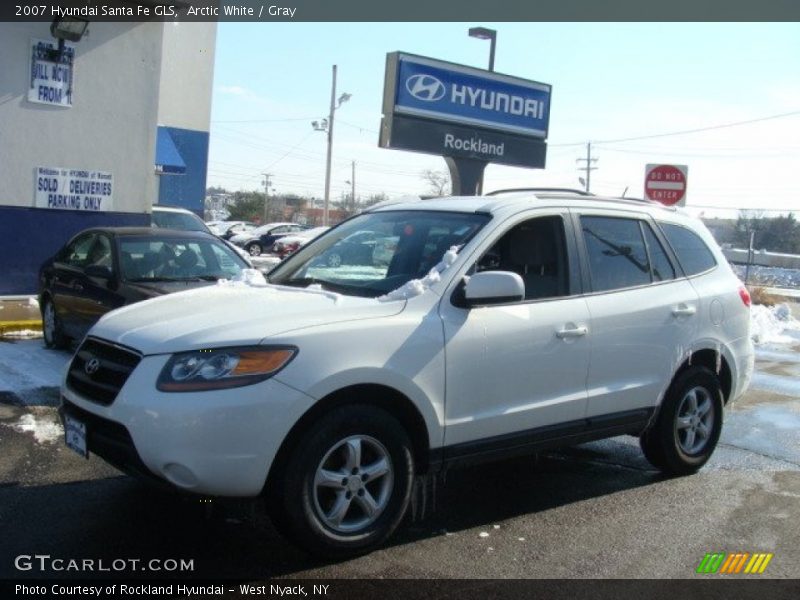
596 510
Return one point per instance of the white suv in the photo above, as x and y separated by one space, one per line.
499 326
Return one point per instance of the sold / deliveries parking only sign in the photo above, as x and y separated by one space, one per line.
666 184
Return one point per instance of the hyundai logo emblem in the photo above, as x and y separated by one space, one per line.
425 87
92 366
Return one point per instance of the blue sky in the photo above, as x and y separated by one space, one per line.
610 81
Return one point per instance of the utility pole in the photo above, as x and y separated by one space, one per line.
588 168
353 187
266 195
330 148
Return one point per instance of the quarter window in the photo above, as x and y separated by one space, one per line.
617 253
693 254
662 268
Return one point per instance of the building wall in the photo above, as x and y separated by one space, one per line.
128 78
187 76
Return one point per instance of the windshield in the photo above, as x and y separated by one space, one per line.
178 220
144 259
375 253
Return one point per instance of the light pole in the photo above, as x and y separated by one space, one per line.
482 33
266 195
327 125
352 183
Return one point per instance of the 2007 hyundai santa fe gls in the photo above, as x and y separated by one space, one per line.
488 327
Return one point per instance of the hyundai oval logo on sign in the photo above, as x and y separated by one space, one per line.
425 87
92 366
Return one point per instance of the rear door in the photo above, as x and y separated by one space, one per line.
67 285
643 312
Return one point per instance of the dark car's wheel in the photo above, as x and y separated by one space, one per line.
334 259
51 327
254 249
689 424
347 484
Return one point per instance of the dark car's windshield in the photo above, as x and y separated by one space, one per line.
401 246
155 258
178 220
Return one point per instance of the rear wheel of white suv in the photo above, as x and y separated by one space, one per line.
688 425
347 484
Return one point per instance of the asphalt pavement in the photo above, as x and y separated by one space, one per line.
593 511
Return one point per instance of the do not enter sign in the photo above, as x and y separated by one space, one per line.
666 184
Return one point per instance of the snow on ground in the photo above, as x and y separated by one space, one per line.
770 276
26 365
773 325
43 427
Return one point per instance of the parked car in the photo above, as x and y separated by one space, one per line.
547 319
356 249
102 269
291 242
227 229
168 217
262 238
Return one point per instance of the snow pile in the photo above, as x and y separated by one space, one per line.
770 324
415 287
251 277
44 430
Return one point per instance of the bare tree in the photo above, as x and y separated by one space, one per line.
438 182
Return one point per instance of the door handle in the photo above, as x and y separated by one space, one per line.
684 310
572 333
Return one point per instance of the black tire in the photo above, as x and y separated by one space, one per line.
53 334
667 445
254 249
297 504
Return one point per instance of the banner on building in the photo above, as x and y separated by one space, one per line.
73 189
51 73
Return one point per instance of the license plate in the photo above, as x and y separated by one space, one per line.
75 435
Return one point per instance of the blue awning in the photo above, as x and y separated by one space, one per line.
168 159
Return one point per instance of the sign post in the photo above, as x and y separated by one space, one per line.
666 184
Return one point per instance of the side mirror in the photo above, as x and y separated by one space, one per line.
99 271
493 287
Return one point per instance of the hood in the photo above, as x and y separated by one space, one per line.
158 288
230 315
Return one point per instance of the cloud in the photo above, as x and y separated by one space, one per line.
234 90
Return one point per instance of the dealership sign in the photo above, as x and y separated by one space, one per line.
454 110
73 189
51 73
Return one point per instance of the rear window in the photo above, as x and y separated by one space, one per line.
178 220
692 252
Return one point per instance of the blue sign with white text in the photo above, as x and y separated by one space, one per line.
447 92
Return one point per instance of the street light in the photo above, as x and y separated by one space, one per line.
483 33
327 125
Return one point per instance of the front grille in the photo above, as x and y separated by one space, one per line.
101 385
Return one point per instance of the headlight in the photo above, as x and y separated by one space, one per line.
221 368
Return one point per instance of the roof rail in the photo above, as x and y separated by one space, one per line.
540 189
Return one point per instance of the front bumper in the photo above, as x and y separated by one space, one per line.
219 442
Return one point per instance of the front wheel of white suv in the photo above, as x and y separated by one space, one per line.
688 425
347 484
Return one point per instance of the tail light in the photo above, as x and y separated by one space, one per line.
745 296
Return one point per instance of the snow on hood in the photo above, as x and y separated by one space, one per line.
416 287
773 325
229 314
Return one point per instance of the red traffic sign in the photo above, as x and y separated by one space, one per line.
666 183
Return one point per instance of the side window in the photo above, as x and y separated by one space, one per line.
100 252
691 250
617 253
662 268
77 252
282 229
536 250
